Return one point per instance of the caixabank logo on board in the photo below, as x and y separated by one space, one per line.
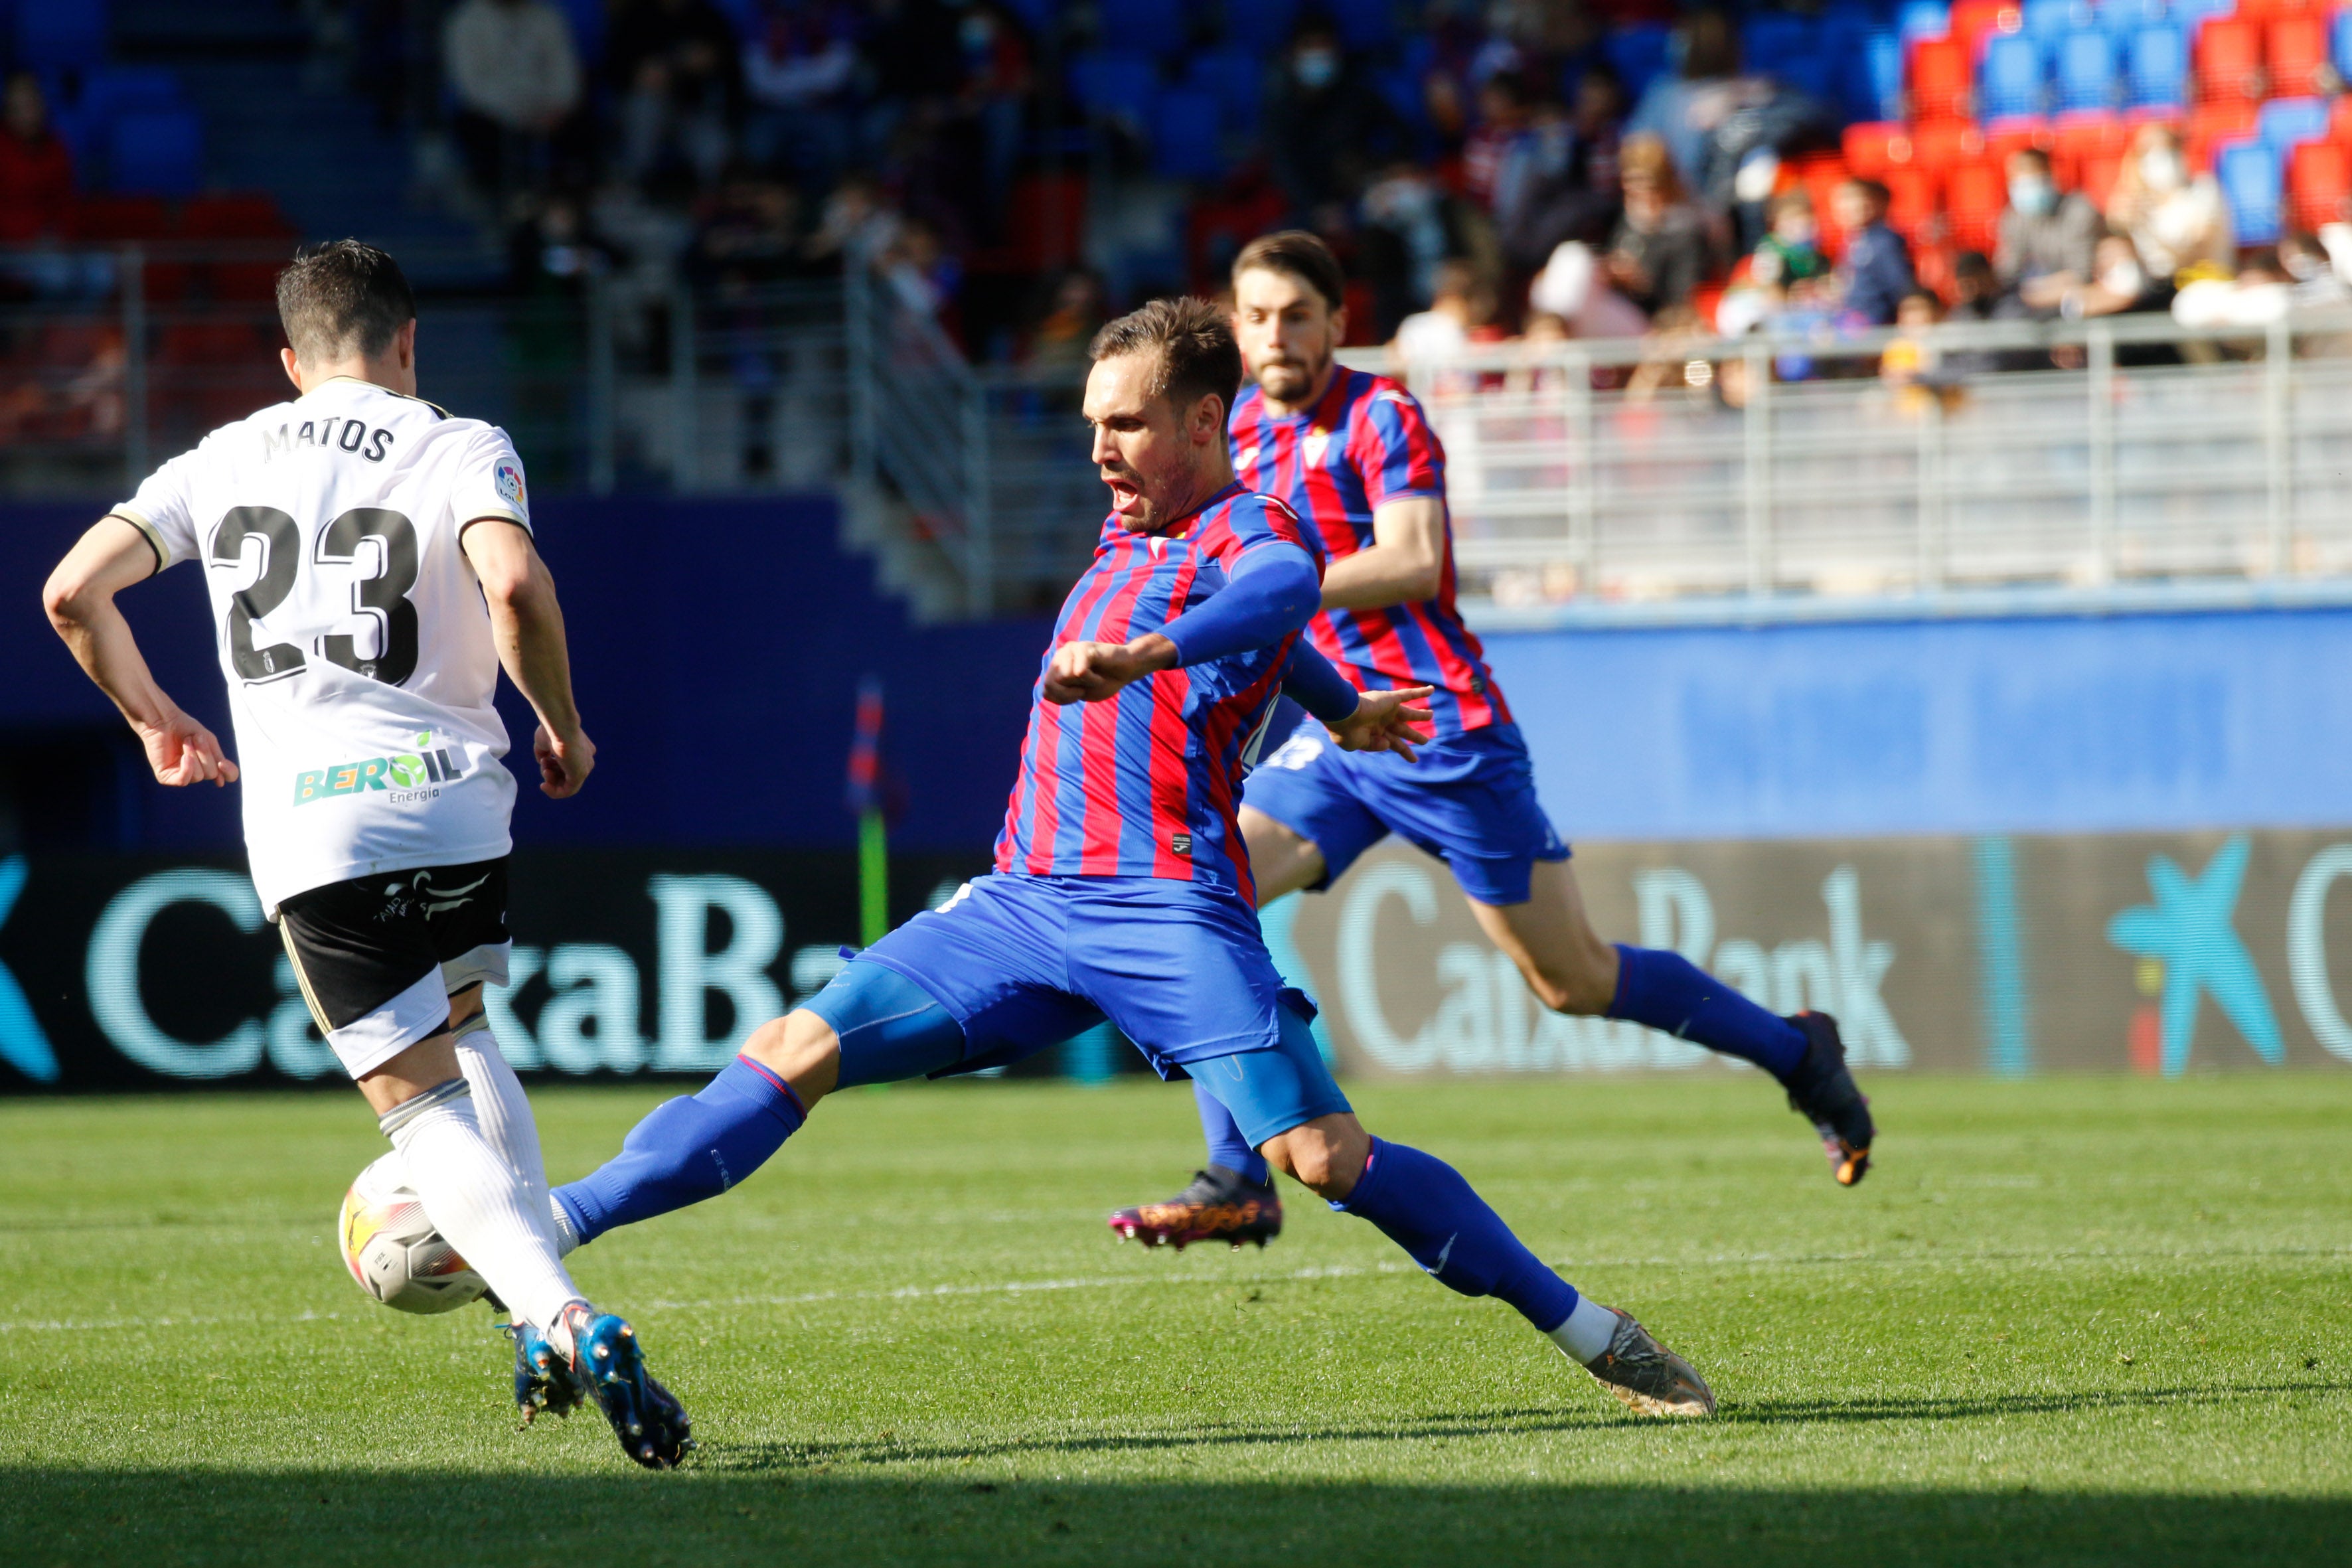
397 775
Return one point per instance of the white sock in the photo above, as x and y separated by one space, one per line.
1587 1332
474 1200
567 1240
499 1103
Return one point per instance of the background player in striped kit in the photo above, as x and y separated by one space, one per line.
1354 457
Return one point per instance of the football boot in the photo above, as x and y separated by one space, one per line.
544 1382
1823 1092
1219 1206
1646 1376
648 1420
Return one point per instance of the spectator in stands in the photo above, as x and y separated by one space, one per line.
1876 273
858 225
1326 125
1685 110
2118 283
1460 306
516 79
1575 197
1913 365
36 173
2046 237
1788 259
1057 347
1659 253
676 76
2176 222
798 83
1411 225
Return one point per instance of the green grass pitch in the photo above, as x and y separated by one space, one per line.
2066 1321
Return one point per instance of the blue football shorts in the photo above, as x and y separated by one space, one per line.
1470 801
1014 964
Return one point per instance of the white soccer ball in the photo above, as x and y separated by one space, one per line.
393 1250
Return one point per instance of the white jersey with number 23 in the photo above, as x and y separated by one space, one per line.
352 630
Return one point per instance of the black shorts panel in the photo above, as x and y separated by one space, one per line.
357 945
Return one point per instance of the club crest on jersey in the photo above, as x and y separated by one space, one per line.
508 481
1248 459
1317 443
400 774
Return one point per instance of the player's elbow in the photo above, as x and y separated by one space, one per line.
70 598
1428 575
521 587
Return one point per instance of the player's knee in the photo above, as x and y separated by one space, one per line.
799 1048
1581 981
1325 1160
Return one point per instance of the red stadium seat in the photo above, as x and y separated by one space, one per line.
1912 201
1820 175
2339 119
2318 181
1941 77
2016 135
1973 21
2214 123
251 216
1940 143
1873 147
2078 139
2298 54
2229 56
1974 194
2095 175
1933 265
110 220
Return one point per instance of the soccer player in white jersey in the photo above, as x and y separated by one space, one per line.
370 563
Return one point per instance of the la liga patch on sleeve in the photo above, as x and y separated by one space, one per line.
508 481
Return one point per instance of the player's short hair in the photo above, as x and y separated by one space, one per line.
342 297
1196 349
1302 256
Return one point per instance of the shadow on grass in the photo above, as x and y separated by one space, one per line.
804 1517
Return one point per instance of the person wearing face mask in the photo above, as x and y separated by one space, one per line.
2176 220
2046 237
1325 126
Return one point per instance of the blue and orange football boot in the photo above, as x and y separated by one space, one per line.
544 1382
1219 1206
1823 1092
608 1366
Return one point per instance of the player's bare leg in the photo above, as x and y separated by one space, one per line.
1571 970
1233 1200
1458 1240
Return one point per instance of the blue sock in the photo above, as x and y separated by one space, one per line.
687 1150
1668 992
1422 1205
1227 1147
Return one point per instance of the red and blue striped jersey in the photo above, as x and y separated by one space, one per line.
1146 783
1364 442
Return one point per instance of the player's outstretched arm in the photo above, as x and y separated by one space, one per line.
1271 594
1404 563
79 598
1395 720
528 626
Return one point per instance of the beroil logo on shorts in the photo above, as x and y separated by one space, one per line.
402 774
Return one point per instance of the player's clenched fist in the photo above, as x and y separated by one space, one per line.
1091 671
1394 721
183 752
564 762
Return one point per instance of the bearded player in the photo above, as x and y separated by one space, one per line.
1121 887
369 560
1354 457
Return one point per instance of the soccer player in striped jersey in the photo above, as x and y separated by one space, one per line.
1353 455
1122 890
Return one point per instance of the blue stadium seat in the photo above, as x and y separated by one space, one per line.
1034 15
1873 82
2009 81
2249 173
1115 84
1769 40
1638 55
1237 77
1923 19
156 151
2086 70
109 91
1262 26
2339 44
2157 69
1188 135
1149 26
2122 18
2186 13
2285 123
52 34
2050 20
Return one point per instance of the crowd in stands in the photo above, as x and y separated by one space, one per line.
1485 168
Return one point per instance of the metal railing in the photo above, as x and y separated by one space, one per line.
1763 476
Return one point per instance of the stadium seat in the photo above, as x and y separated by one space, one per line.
1115 84
1938 144
60 34
1973 22
2122 18
2228 58
2212 124
2339 118
1237 77
1874 78
1188 135
1154 28
2086 71
1912 195
1820 174
2077 139
1873 147
156 150
109 91
2095 177
1940 79
1974 194
2012 81
2318 181
1771 38
587 20
114 220
1637 54
2156 67
1263 26
2051 20
2249 173
1921 20
2296 47
2339 44
2283 123
2010 136
251 216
